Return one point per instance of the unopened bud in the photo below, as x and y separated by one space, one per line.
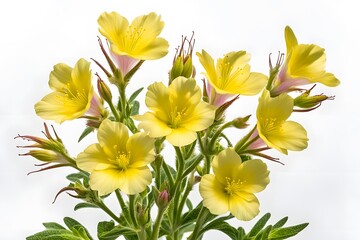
241 123
46 156
310 102
163 199
104 90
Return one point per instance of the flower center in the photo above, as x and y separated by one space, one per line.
233 186
133 35
74 97
270 124
122 160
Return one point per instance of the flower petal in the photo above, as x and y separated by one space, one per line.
181 137
113 26
112 137
201 118
291 136
60 76
213 194
141 149
244 206
254 175
93 158
226 165
184 94
157 100
152 125
290 39
274 109
136 180
107 181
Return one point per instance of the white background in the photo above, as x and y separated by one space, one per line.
319 185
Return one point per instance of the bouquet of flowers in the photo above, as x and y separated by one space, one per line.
185 114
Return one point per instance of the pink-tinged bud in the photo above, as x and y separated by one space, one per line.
163 199
49 150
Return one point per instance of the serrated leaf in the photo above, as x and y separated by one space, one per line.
104 226
135 94
259 225
86 132
280 223
52 225
116 232
284 233
84 205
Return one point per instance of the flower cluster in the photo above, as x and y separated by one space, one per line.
128 159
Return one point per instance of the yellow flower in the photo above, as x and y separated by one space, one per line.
304 64
233 184
139 40
118 161
232 74
178 112
272 126
72 94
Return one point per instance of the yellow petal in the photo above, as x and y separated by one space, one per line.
244 206
60 77
254 175
158 48
251 85
141 149
226 164
275 109
184 94
113 26
181 137
157 100
81 76
213 194
291 136
328 79
112 137
93 158
290 39
201 118
106 181
152 125
136 180
208 63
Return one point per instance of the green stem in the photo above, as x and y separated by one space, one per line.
240 145
195 162
132 203
206 155
108 211
114 111
217 134
155 233
123 206
180 169
168 174
200 221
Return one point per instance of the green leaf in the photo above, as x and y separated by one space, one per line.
280 223
117 231
259 225
76 177
104 227
135 94
284 233
135 106
86 132
223 227
189 204
54 234
70 222
77 228
241 233
53 225
266 232
84 205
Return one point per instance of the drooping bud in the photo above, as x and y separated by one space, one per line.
182 64
308 102
241 122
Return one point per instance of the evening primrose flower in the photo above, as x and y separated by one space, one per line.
73 93
304 64
118 160
178 112
272 126
134 42
232 75
233 184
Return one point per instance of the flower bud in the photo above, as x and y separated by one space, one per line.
182 64
241 123
104 90
163 199
310 102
